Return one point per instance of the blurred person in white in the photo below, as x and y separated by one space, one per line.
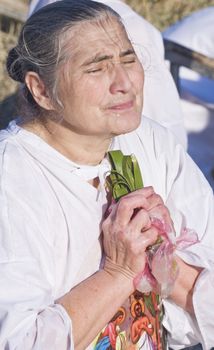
196 32
162 102
68 269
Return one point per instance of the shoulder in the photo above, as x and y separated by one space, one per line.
13 155
25 210
20 176
10 152
158 137
159 155
151 139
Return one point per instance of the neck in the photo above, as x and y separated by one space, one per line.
81 149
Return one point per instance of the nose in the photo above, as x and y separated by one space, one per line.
120 79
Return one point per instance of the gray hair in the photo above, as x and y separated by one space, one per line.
39 46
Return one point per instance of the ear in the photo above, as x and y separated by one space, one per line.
38 90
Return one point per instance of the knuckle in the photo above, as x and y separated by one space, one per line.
124 203
164 210
157 198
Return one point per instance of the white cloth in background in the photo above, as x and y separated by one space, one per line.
196 32
161 100
50 228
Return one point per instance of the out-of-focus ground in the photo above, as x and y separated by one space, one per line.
12 14
163 13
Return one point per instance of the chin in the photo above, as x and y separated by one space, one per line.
128 124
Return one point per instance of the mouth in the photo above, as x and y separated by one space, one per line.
119 107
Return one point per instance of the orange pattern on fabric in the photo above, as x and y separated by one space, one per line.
137 325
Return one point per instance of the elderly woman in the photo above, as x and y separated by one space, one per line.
83 96
158 82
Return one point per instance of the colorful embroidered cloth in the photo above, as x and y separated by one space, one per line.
136 325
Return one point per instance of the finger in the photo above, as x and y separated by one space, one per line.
154 200
141 221
145 192
146 239
127 207
161 212
142 242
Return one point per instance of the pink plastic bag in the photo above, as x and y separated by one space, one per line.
161 269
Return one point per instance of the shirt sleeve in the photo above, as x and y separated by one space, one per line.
187 330
191 203
29 317
203 301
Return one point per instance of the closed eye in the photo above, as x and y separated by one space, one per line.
129 60
94 70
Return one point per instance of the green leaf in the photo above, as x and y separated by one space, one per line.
125 176
116 160
128 172
137 173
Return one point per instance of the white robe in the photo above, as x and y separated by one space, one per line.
49 233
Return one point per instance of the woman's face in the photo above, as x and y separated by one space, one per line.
101 85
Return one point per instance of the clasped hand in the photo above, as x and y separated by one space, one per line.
128 231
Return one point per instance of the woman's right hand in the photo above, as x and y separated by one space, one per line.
128 231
